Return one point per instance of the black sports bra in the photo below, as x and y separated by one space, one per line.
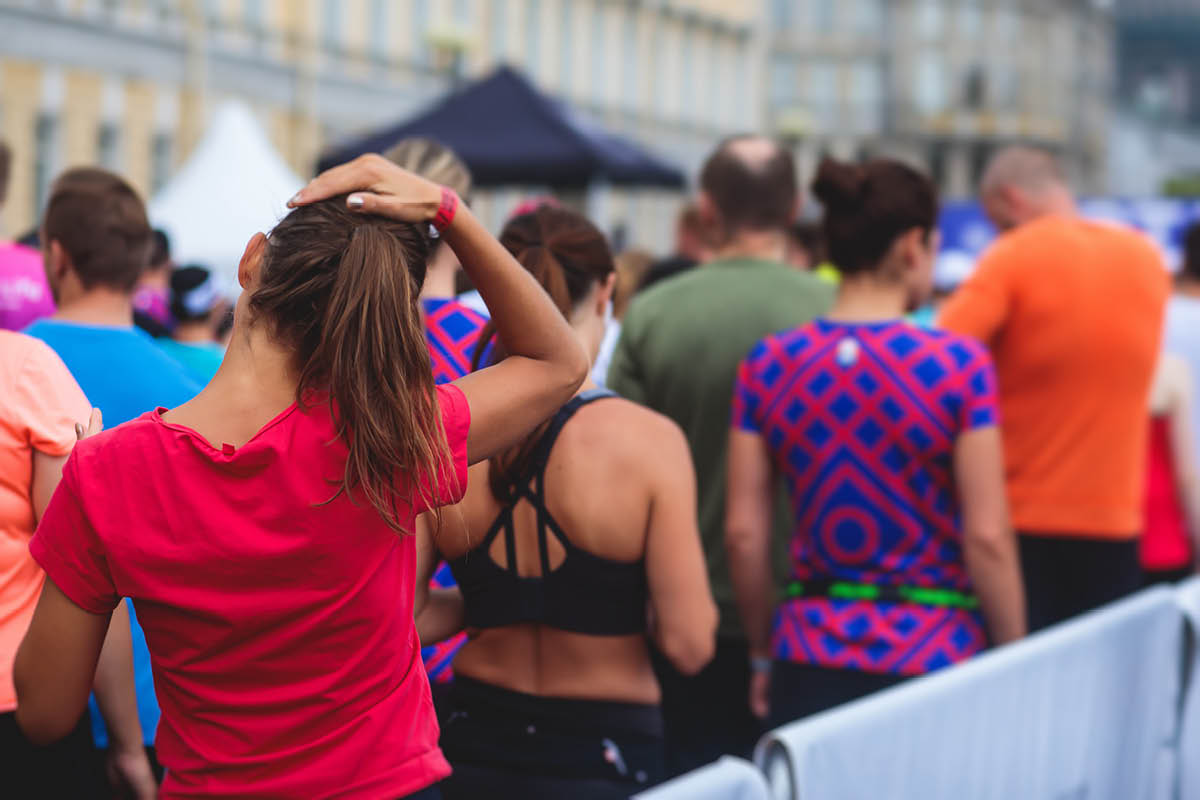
584 594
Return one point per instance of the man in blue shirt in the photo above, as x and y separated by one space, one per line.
96 242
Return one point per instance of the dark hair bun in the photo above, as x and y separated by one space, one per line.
839 185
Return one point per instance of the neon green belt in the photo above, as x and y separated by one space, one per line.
848 590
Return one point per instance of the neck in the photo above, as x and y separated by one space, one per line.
192 332
760 245
256 376
439 276
99 306
868 298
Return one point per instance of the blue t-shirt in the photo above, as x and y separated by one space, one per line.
124 374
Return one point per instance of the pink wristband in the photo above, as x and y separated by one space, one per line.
446 210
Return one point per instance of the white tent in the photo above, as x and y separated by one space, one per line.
233 185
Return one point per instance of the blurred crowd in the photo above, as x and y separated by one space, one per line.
426 512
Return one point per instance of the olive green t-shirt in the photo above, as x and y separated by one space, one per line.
680 347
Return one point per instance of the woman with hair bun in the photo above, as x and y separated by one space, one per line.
903 560
573 550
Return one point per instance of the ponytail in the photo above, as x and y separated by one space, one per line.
343 289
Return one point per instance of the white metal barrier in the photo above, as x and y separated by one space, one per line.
1087 710
1189 735
727 779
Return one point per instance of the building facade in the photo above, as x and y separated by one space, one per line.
128 84
943 82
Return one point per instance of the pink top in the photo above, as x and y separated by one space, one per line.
24 294
280 626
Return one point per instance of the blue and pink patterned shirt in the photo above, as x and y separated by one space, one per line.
452 331
861 419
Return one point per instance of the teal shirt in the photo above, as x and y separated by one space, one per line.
201 359
680 347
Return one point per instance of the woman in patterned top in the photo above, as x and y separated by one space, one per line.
902 557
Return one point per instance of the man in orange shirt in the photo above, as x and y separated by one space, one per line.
1072 311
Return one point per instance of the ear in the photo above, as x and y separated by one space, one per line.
251 263
912 247
58 263
604 292
707 209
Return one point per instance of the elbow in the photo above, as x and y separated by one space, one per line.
689 651
40 717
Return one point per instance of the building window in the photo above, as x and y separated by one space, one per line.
566 42
420 31
160 160
970 18
823 12
781 13
868 17
254 17
108 146
379 29
499 20
45 158
598 44
687 71
822 93
866 95
931 82
629 60
929 19
533 36
331 26
782 87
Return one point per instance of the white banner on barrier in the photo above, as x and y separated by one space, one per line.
1189 735
1086 710
727 779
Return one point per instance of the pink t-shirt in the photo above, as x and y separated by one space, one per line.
280 626
24 294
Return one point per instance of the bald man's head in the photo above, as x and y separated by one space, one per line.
750 183
1021 184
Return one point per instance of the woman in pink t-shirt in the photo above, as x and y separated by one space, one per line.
262 528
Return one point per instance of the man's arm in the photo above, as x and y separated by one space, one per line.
980 307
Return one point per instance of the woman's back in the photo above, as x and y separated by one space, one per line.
277 622
602 475
862 420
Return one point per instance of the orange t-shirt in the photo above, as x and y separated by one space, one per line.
1073 313
39 406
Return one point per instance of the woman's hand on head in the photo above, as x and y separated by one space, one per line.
375 186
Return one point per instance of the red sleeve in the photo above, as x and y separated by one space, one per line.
456 421
68 548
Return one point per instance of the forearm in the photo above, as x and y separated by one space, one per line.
996 577
115 689
753 587
441 617
526 320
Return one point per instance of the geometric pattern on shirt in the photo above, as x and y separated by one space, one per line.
451 331
864 436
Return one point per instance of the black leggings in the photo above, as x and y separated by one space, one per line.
68 768
1069 575
505 744
800 690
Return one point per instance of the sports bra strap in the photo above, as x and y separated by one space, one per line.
541 453
536 473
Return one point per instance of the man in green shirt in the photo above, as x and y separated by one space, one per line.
681 343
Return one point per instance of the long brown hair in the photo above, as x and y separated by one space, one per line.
340 288
568 256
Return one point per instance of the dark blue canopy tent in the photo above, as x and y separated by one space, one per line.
509 133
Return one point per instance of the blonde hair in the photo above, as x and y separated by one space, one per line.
432 161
